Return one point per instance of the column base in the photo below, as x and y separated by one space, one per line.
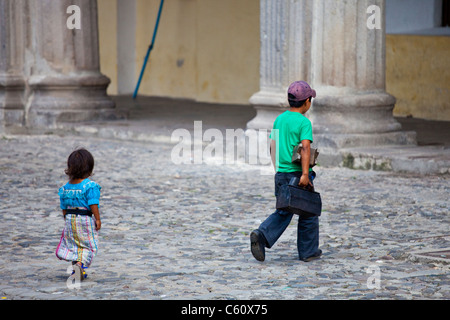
355 120
268 106
341 122
69 99
12 112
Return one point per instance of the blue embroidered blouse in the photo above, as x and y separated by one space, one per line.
80 195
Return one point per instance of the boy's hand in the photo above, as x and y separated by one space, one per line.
304 181
306 154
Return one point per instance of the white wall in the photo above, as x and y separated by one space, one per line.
126 43
412 16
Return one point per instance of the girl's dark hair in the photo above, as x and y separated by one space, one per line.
296 104
80 164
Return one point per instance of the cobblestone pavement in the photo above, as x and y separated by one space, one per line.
182 231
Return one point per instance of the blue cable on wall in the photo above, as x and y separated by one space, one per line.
150 48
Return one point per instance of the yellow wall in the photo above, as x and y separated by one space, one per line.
107 27
418 75
207 50
175 43
228 50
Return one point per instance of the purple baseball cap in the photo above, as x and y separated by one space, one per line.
301 91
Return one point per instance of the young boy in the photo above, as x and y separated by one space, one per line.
290 129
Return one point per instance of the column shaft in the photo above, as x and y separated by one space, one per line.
12 83
285 56
348 72
328 44
64 74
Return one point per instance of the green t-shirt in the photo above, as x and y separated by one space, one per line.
289 129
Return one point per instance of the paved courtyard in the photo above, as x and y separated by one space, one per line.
182 231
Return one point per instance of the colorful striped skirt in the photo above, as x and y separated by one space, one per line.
79 239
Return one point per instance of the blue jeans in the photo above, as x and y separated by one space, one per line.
307 228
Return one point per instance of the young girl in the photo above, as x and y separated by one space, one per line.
79 200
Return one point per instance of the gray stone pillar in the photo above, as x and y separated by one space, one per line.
285 56
12 83
328 44
63 67
352 107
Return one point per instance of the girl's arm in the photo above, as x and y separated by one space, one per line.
64 214
94 209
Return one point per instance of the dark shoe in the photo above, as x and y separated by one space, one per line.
257 245
313 257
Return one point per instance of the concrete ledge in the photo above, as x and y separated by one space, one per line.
153 120
396 158
412 159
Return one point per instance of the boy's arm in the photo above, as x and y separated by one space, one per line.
306 154
273 152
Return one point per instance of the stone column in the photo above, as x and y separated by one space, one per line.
12 83
63 66
328 43
352 107
285 56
